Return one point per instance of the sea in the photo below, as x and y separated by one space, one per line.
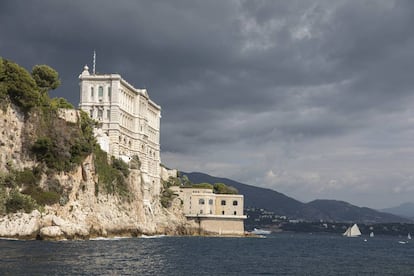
276 254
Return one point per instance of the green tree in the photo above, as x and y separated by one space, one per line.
46 77
3 87
61 103
19 85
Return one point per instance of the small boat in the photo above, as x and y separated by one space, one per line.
260 232
402 242
352 231
371 235
409 236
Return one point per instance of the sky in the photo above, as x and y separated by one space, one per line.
314 99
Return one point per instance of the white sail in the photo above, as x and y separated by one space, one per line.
371 234
352 231
409 236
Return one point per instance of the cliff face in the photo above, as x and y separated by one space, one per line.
85 213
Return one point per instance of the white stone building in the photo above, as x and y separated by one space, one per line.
130 121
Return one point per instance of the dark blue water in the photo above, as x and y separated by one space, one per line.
280 254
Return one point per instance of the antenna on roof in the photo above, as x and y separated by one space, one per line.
94 62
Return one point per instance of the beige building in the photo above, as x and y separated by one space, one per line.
130 121
215 213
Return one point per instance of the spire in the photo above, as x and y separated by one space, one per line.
94 62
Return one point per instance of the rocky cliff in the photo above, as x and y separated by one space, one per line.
84 212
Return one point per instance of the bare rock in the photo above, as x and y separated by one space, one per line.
51 232
20 225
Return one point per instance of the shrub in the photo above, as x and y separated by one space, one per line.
27 177
18 202
221 188
167 197
61 103
203 186
42 197
111 178
120 165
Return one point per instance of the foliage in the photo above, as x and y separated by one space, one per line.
18 202
185 181
30 177
45 77
120 165
42 197
110 178
8 181
61 103
167 195
62 146
19 85
172 181
3 87
221 188
203 186
3 200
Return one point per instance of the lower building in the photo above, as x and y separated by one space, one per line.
214 213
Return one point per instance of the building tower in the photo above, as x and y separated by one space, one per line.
130 121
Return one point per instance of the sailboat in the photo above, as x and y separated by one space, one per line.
409 236
371 235
352 231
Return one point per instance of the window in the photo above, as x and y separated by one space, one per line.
223 202
100 92
109 92
210 202
235 203
201 201
201 212
92 92
100 114
222 212
235 213
108 114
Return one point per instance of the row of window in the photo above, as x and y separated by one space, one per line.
101 92
201 201
222 212
100 113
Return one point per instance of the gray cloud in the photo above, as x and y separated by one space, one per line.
311 99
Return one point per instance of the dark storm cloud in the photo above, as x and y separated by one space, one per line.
261 81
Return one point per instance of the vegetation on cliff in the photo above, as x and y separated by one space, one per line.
55 144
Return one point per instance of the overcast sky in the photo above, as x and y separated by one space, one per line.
314 99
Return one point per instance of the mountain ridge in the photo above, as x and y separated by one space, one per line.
281 204
405 209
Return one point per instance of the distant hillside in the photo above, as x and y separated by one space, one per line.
343 211
328 210
403 210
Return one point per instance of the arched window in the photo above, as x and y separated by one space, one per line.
210 202
201 201
223 202
100 92
235 213
92 92
235 203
